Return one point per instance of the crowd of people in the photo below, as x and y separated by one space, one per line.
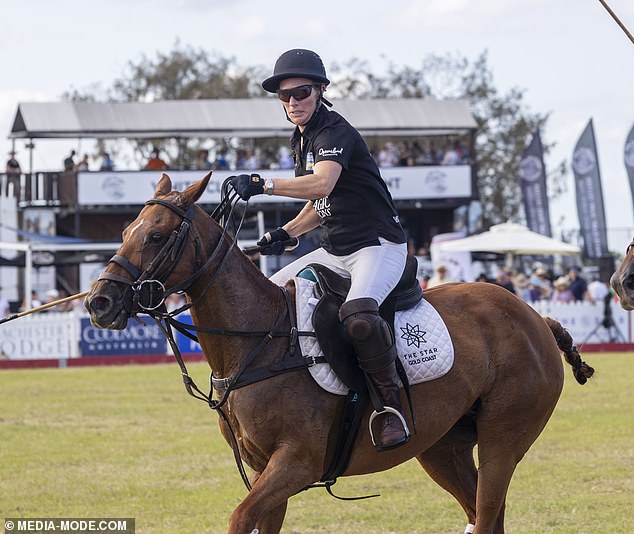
540 285
389 154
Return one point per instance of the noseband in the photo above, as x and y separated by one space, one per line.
148 287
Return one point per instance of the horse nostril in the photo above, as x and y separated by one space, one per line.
100 304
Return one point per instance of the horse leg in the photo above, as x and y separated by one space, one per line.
284 475
494 476
503 439
272 521
449 462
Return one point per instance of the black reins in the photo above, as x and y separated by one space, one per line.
149 294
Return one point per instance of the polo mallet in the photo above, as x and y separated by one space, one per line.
43 307
616 19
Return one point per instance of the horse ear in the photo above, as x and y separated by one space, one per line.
163 187
194 191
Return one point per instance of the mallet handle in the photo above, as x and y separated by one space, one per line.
43 307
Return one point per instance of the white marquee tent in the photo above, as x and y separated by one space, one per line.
510 239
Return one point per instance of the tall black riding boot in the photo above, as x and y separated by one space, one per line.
374 345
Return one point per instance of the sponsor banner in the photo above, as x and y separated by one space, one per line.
584 320
186 345
135 339
590 210
628 157
45 335
125 188
533 184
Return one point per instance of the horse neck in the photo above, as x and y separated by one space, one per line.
240 298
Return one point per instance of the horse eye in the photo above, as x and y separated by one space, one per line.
156 238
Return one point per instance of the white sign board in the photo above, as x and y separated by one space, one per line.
42 335
129 188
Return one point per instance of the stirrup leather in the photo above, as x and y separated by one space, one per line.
393 411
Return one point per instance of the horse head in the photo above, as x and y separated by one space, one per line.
622 280
161 253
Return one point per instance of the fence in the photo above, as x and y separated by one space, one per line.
70 335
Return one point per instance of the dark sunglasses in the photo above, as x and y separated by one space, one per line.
298 93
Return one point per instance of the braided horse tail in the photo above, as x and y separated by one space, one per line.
581 369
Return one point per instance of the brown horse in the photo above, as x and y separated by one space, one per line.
622 280
504 384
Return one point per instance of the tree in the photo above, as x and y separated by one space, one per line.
183 73
504 122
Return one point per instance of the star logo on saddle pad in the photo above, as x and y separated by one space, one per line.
413 335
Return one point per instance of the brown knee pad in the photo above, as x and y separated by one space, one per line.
369 333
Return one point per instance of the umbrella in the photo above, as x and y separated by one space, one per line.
510 239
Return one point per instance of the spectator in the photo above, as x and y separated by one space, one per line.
221 162
69 162
503 279
106 163
202 160
597 290
155 163
83 164
285 158
35 301
522 286
388 155
562 292
51 296
482 277
542 284
13 168
13 171
441 276
450 157
578 285
430 156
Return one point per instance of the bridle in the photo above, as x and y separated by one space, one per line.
148 287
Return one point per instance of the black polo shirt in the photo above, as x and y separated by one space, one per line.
359 209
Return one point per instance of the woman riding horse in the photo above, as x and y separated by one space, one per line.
362 238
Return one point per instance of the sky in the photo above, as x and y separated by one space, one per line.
570 58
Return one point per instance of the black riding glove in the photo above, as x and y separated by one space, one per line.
247 185
273 243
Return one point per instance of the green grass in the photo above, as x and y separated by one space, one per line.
129 442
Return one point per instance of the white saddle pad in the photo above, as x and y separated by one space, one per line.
422 341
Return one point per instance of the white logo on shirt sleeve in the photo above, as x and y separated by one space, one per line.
334 151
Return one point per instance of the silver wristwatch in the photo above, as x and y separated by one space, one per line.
268 186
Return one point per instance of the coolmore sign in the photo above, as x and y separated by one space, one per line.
135 339
125 188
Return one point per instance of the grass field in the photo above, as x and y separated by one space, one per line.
129 442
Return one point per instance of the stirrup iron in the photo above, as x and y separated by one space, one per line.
393 411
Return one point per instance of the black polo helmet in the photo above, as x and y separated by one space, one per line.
296 63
